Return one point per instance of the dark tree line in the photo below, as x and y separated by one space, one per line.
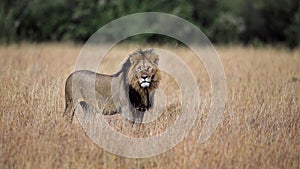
223 21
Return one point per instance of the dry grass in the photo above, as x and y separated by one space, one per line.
260 127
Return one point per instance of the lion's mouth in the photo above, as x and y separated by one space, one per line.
144 83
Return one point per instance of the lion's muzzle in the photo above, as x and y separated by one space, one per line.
145 81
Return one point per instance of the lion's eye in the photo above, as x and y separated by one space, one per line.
139 68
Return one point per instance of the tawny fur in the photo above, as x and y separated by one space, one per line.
83 86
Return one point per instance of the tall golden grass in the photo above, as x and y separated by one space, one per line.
260 126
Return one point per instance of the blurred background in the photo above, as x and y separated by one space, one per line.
255 22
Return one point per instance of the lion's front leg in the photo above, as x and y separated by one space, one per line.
138 117
134 117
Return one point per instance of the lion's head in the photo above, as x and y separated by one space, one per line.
143 72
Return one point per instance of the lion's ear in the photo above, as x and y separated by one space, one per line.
132 59
155 59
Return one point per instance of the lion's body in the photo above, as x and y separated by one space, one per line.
85 86
109 94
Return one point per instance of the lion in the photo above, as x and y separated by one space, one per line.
130 91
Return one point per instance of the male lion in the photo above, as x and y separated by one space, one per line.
129 91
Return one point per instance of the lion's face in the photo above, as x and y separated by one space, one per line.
144 72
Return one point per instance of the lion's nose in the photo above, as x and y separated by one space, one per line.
144 76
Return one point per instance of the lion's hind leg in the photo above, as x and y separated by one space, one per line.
69 100
69 110
87 108
71 105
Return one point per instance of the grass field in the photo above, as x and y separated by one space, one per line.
260 126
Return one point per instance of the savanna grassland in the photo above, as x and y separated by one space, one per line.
260 126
